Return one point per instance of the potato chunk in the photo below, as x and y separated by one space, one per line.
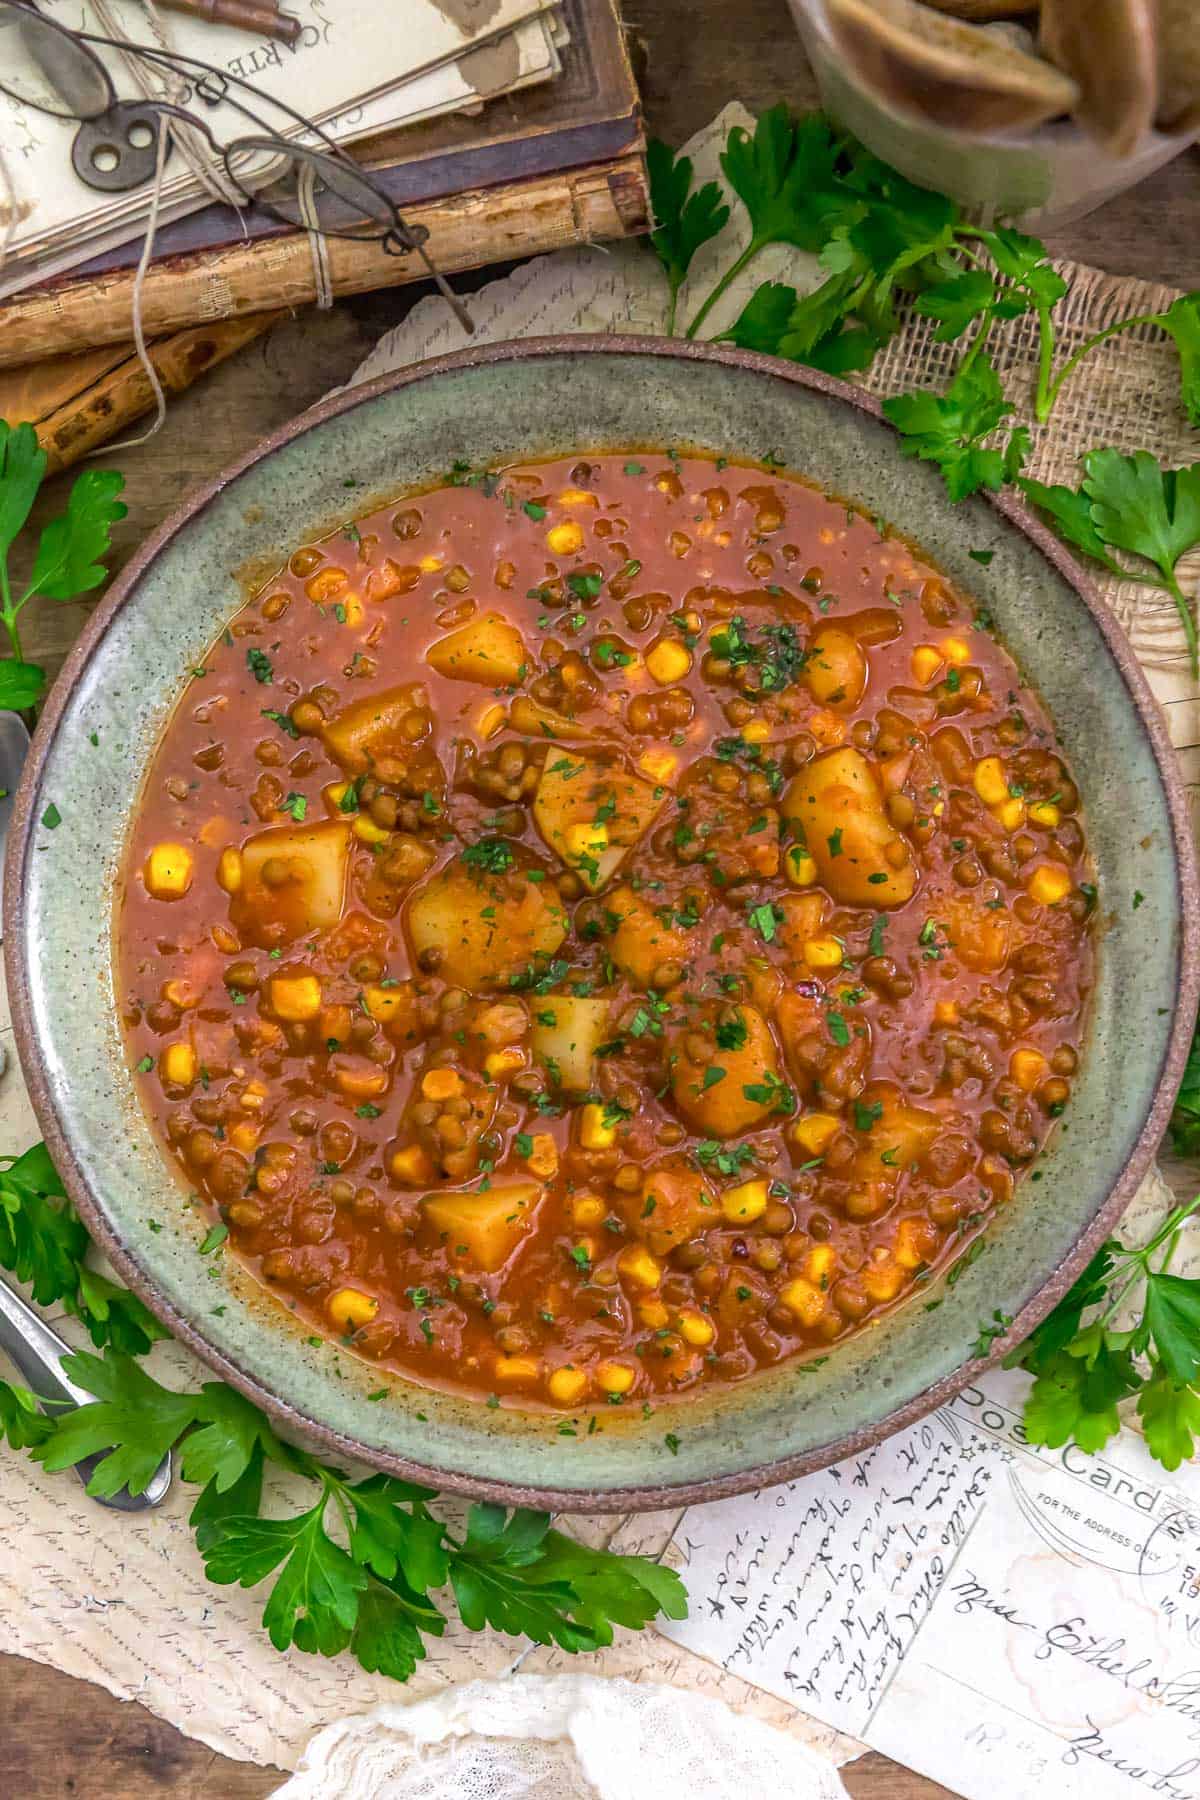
490 1225
566 1031
370 733
486 649
479 928
674 1205
591 815
293 881
723 1091
861 858
836 667
901 1132
979 936
644 940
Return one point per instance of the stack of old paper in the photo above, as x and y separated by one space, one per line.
348 71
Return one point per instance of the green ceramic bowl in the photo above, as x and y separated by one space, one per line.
548 398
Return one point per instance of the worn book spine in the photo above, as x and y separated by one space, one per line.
466 231
77 403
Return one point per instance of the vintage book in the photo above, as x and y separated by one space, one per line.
548 166
337 73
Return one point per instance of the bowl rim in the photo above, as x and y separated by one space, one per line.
645 1497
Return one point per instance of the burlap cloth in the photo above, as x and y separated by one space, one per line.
123 1600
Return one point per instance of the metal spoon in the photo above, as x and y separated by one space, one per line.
38 1353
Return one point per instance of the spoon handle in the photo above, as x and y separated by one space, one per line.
38 1352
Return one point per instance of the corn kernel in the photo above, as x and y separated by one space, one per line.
945 1012
638 1266
742 1204
178 1065
350 1307
295 997
659 765
168 871
813 1132
956 651
429 565
565 539
823 953
244 1136
926 661
1027 1068
499 1063
615 1377
883 1280
653 1314
991 783
799 867
441 1084
915 1242
229 871
1049 884
370 833
668 661
804 1300
411 1166
516 1368
252 1096
491 720
696 1330
382 1003
1044 812
755 731
574 496
1011 814
588 1209
819 1264
594 1132
568 1386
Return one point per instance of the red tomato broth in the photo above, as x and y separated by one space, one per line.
888 1066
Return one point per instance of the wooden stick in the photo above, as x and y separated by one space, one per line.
113 396
607 200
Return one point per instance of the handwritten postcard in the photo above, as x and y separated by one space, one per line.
1002 1619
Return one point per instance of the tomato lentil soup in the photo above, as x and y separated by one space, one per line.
602 927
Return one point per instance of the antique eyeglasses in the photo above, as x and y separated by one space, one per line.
46 66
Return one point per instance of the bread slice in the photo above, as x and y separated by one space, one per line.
946 71
1110 47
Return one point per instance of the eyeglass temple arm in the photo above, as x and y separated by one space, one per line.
401 235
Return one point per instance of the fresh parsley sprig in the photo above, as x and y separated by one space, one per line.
686 220
364 1566
1131 503
66 562
1083 1365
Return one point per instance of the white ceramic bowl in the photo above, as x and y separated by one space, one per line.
1040 179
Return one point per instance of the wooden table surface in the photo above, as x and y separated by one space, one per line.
62 1737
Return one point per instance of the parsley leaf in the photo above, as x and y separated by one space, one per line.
135 1420
1185 1120
68 555
950 429
683 220
1137 505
